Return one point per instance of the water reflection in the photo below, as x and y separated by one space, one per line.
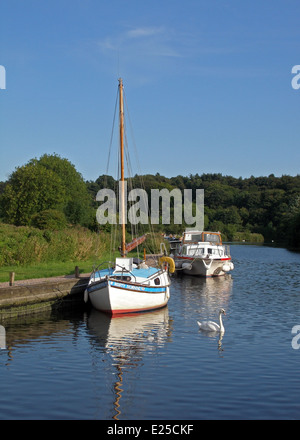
123 366
126 339
205 296
202 298
25 331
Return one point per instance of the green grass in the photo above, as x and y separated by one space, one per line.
52 269
33 253
45 270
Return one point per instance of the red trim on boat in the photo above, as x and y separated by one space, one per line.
215 259
133 311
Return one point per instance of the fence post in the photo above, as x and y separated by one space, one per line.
11 278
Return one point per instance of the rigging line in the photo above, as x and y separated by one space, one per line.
134 144
133 227
132 134
138 163
140 176
112 133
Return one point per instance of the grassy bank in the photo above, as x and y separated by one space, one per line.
45 270
35 253
27 246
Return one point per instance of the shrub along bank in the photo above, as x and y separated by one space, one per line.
24 245
36 253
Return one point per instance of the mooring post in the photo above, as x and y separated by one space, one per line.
11 278
76 272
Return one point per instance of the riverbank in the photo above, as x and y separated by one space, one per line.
31 296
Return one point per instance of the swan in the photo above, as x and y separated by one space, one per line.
211 326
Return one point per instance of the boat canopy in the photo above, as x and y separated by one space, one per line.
196 237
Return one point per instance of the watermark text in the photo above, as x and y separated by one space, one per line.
135 207
296 78
2 77
296 338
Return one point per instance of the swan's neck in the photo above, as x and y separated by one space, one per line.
221 323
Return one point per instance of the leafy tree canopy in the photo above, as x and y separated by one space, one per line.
50 182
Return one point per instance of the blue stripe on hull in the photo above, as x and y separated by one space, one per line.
137 288
130 287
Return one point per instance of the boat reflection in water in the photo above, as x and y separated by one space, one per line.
204 297
126 338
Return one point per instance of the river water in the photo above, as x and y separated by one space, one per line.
80 364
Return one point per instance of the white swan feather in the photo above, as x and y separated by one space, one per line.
211 326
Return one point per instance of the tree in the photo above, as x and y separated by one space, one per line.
42 184
31 189
77 205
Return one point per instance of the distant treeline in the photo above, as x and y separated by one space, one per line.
251 209
49 194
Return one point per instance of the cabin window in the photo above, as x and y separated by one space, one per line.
123 278
213 238
218 252
192 237
196 251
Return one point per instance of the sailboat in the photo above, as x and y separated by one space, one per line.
128 286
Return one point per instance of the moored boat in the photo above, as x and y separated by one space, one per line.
127 286
201 253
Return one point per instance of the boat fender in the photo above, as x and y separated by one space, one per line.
187 266
227 267
85 296
170 262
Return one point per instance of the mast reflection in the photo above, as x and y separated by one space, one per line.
126 338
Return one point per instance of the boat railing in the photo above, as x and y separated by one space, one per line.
227 250
123 270
97 268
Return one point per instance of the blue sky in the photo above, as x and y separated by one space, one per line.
208 83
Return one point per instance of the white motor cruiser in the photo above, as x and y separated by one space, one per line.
201 253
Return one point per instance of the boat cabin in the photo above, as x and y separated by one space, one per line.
190 237
199 244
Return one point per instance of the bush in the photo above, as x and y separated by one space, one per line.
49 219
23 245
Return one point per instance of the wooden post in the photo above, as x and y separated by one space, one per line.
11 278
76 272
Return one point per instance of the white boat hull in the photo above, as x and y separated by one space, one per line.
115 297
204 267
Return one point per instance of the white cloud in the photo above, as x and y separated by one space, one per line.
144 51
145 32
149 41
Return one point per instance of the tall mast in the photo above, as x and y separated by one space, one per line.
123 246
